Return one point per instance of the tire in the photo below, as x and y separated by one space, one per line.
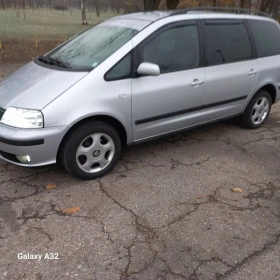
257 111
91 150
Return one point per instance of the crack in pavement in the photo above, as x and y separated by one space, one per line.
175 163
194 276
249 257
156 246
43 232
212 198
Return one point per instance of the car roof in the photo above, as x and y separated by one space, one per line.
140 20
147 16
157 15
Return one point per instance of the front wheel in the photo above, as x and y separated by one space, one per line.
91 150
257 111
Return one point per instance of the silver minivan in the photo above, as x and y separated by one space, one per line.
134 78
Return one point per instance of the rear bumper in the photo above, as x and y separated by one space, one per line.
40 144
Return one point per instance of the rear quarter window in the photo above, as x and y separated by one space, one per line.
227 42
267 37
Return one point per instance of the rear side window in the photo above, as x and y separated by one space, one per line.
267 37
173 49
227 42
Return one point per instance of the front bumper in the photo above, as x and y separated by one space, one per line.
40 144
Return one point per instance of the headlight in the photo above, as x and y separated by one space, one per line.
23 118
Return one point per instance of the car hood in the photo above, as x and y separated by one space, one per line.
34 86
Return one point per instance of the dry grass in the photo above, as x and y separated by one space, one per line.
44 24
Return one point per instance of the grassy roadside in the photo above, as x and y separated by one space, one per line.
24 37
44 24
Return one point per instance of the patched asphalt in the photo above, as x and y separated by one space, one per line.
168 210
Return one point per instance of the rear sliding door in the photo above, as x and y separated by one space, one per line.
231 68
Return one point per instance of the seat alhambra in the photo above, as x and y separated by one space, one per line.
137 77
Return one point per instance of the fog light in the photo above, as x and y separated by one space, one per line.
24 159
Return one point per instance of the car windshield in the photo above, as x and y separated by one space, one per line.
89 49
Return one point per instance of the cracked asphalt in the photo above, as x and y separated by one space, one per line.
166 211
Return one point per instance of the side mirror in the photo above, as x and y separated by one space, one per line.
148 69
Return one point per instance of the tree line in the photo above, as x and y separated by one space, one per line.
271 7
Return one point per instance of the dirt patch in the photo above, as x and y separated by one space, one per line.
24 51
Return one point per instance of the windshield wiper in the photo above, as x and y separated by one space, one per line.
53 61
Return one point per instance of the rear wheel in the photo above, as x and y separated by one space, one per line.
91 150
257 111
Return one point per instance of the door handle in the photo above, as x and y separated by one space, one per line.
252 72
196 83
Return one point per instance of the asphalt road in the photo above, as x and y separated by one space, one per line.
166 211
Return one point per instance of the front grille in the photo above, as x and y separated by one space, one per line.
2 111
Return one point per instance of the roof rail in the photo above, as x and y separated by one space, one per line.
220 9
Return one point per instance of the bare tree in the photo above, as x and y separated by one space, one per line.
83 11
150 5
50 4
172 4
237 3
116 5
31 4
97 6
254 5
3 4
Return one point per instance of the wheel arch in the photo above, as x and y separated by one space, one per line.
270 88
103 118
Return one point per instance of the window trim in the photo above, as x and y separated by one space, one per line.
252 40
227 21
164 28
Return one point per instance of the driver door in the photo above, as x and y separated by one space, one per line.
170 101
